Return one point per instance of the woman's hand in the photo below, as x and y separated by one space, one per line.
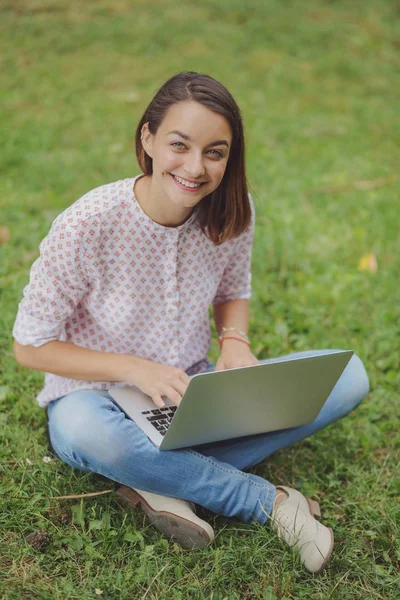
158 380
235 354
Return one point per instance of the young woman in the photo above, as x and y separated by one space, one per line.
120 295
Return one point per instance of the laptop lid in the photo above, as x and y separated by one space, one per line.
283 393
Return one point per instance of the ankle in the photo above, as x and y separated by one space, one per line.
280 496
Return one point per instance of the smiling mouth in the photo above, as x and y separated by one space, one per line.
187 185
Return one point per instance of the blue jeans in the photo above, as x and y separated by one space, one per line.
89 432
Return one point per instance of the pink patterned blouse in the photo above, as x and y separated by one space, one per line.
109 278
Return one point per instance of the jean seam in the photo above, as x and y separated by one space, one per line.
260 508
63 453
112 407
246 476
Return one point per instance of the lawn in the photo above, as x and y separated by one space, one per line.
318 83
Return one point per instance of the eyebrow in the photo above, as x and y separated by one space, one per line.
189 139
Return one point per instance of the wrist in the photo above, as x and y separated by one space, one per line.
233 342
124 366
232 332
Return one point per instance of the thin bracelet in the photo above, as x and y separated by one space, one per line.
241 333
220 342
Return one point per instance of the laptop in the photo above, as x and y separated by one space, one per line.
281 393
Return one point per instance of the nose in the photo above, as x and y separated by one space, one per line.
194 166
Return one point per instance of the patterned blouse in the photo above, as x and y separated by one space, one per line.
110 278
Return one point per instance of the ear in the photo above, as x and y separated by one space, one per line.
147 140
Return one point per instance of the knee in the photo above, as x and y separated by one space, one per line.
80 429
360 379
353 384
87 429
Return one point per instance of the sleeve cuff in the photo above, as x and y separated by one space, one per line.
32 331
227 298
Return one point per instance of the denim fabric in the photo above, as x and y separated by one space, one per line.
89 432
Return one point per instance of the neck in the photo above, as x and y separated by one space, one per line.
158 207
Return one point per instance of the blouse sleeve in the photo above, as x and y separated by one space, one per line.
56 285
236 279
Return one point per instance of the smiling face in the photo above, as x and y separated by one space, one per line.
190 153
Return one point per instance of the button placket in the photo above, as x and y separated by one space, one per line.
172 298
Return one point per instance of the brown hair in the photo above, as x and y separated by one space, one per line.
226 212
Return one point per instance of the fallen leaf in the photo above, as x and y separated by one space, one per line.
29 255
4 236
98 592
368 262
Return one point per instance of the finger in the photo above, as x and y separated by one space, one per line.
172 394
179 386
158 401
185 378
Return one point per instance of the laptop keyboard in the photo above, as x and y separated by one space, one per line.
160 418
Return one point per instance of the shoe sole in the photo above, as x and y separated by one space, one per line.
175 528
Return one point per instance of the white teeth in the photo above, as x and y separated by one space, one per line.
187 183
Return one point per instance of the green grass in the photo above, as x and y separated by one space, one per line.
318 84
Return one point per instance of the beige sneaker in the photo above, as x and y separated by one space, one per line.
175 518
293 519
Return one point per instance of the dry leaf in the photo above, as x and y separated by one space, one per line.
369 263
4 236
28 256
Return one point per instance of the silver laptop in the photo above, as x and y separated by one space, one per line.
284 392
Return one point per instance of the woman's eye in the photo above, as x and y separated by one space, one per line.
180 146
218 154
